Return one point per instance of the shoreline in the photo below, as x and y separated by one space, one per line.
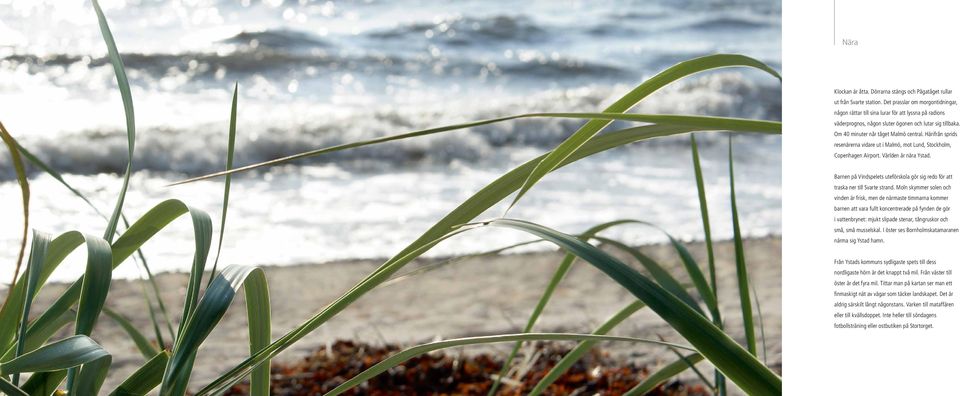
474 296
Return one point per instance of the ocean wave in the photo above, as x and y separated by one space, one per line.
731 22
277 39
461 30
317 62
199 149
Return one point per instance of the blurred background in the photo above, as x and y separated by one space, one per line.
319 73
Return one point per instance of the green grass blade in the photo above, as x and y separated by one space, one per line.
411 352
654 380
555 280
91 376
593 127
693 122
465 212
38 251
742 277
704 212
143 345
708 239
67 353
143 260
583 347
18 168
94 287
125 95
211 308
156 219
659 274
433 266
8 388
231 142
257 294
203 234
37 335
693 270
145 379
723 352
763 334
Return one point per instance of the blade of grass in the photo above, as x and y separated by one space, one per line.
576 353
127 99
94 286
8 388
412 352
705 218
145 378
141 342
654 380
38 251
716 346
231 141
742 276
763 334
11 144
651 85
466 211
67 353
431 267
210 310
660 275
91 376
704 212
129 242
142 259
555 280
693 122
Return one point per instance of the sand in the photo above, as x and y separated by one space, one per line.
480 296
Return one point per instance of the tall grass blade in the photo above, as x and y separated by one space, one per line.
67 353
125 95
8 388
94 287
38 251
704 212
11 144
659 274
143 260
743 280
433 266
210 310
129 242
662 79
465 212
763 333
583 347
694 122
654 380
708 239
231 141
143 345
716 346
555 280
411 352
145 379
91 377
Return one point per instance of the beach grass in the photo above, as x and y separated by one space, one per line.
78 365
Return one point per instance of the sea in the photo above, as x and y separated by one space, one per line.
313 74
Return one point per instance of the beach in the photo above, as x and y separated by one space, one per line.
475 296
